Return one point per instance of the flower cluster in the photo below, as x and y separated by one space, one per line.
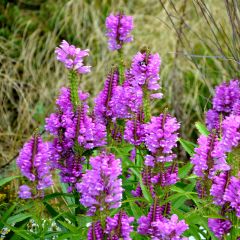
156 226
101 187
161 137
212 162
72 57
118 227
121 115
73 132
34 165
119 27
145 69
219 227
225 102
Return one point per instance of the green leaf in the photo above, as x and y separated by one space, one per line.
183 171
202 128
137 213
147 195
7 179
69 226
18 218
188 146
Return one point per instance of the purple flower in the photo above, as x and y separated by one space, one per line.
208 157
119 28
226 95
232 194
102 109
167 177
33 162
219 227
218 188
212 120
158 227
72 57
145 70
145 222
202 159
74 132
101 187
161 136
230 133
118 227
95 232
25 192
134 131
169 228
126 101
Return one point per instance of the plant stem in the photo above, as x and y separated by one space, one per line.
121 66
74 88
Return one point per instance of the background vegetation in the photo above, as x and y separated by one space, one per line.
198 40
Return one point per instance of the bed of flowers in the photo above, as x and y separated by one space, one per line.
113 171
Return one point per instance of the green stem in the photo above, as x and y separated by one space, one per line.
146 104
73 77
121 66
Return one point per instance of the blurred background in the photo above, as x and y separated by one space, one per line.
198 41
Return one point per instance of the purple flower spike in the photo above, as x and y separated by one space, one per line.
169 228
72 57
212 119
145 222
161 136
25 192
226 95
95 232
119 28
145 70
101 187
134 132
119 226
102 109
232 194
219 227
219 186
33 163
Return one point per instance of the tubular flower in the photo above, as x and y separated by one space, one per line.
166 178
145 222
126 101
119 28
25 192
231 134
169 228
95 232
219 227
134 131
145 70
212 119
161 136
119 226
232 194
218 188
102 109
207 159
226 95
101 187
70 127
33 163
72 57
158 227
